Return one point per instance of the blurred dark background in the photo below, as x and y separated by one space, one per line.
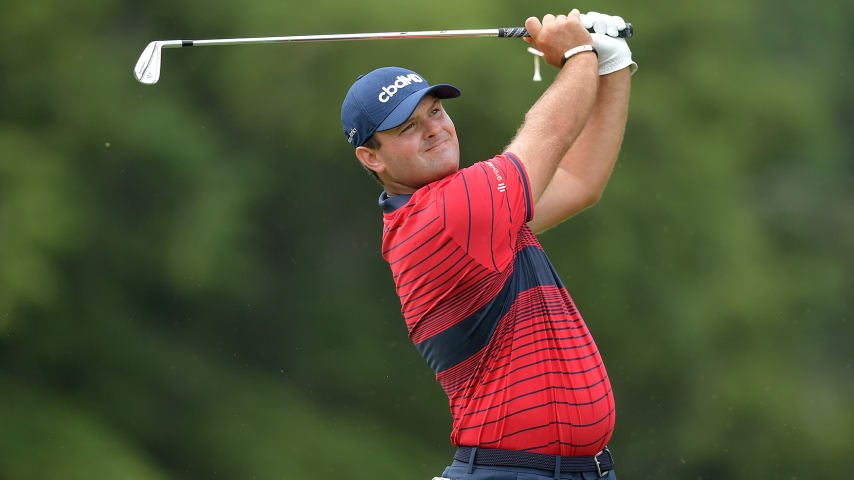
190 278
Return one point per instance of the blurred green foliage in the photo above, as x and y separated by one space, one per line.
190 279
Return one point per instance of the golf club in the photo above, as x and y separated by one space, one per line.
147 69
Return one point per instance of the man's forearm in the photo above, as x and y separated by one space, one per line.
583 172
554 122
592 156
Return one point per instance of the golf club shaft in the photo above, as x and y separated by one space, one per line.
514 32
147 69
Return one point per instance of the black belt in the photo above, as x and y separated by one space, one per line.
599 463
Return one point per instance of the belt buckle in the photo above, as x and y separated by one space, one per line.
596 459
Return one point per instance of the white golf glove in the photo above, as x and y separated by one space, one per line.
614 52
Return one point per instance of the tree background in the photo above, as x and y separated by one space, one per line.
190 278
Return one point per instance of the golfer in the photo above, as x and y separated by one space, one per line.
484 306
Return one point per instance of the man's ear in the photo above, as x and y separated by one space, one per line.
368 157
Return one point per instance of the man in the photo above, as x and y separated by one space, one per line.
527 387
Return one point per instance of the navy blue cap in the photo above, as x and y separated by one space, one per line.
384 99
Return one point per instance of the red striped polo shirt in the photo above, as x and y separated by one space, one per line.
486 309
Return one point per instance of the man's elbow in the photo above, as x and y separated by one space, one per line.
592 197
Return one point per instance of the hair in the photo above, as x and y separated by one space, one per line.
374 144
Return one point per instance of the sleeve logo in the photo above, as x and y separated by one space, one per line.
501 186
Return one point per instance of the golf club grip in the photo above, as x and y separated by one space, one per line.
517 32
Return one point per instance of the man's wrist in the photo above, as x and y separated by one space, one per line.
576 50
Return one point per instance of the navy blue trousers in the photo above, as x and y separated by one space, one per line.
460 471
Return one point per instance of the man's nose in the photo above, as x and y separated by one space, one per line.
432 127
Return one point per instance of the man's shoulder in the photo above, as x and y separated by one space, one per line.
460 186
411 211
422 197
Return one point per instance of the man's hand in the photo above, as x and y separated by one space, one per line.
610 25
614 53
557 34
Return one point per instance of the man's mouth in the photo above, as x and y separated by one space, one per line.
437 145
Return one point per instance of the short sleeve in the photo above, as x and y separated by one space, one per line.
484 207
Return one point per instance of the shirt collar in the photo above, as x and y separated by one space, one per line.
391 203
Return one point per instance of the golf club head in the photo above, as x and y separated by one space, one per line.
147 69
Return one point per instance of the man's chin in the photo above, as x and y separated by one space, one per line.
439 174
448 159
449 168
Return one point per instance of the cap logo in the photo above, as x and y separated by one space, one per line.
401 81
351 134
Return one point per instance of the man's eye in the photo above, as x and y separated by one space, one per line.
407 127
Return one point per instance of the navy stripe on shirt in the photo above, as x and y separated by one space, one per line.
528 199
459 342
